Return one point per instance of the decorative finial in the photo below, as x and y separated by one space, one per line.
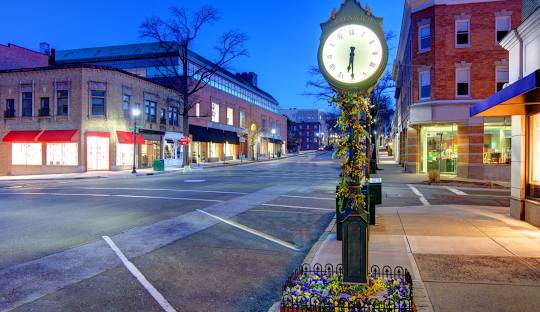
334 14
368 10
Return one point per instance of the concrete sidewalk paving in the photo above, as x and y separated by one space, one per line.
461 258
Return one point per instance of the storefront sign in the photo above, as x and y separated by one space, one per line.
184 141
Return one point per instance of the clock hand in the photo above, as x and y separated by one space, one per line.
350 68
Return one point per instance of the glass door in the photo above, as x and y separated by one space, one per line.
439 149
97 156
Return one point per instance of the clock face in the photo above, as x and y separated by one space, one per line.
352 54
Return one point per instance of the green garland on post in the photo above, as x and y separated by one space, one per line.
351 148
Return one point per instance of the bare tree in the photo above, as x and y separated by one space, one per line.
175 37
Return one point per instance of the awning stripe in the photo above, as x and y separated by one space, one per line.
125 137
27 136
59 136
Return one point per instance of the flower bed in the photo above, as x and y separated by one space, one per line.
322 289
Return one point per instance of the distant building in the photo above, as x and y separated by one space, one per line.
449 59
13 57
307 127
232 117
77 118
521 99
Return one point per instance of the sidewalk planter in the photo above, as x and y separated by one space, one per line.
322 289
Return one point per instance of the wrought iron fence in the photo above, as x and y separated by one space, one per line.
290 303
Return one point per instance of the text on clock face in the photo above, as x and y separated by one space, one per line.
352 53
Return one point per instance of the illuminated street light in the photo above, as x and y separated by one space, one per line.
273 142
136 112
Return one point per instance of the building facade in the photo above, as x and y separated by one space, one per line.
231 118
449 58
521 99
13 57
78 118
307 128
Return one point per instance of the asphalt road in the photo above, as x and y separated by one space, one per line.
219 239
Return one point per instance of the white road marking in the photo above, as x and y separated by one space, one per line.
144 189
297 207
252 231
420 195
113 195
455 190
140 277
308 197
194 181
282 211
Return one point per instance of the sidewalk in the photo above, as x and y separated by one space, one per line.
461 258
395 173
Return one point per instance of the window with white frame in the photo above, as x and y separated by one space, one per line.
215 112
425 85
198 110
230 116
463 81
503 24
424 38
26 154
463 29
501 77
62 154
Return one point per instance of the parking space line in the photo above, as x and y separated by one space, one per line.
282 211
140 277
297 207
252 231
308 197
455 190
420 195
113 195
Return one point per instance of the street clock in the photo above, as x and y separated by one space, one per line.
353 53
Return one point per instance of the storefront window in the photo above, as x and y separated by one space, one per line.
26 154
534 167
497 140
124 154
229 150
62 154
439 149
214 150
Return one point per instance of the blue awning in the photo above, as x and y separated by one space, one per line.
511 100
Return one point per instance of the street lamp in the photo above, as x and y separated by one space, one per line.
136 112
274 142
318 134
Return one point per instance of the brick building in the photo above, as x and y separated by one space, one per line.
13 56
521 99
307 128
78 118
232 116
448 59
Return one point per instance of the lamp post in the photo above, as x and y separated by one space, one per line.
274 142
318 134
135 112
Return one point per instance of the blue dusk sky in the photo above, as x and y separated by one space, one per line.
284 34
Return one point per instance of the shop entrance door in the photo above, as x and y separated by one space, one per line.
439 149
97 155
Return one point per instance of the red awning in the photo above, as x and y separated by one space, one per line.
60 136
97 134
125 137
22 136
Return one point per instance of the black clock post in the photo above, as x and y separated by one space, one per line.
352 57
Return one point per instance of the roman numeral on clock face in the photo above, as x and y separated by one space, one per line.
372 64
340 36
332 67
372 41
340 75
351 32
375 53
